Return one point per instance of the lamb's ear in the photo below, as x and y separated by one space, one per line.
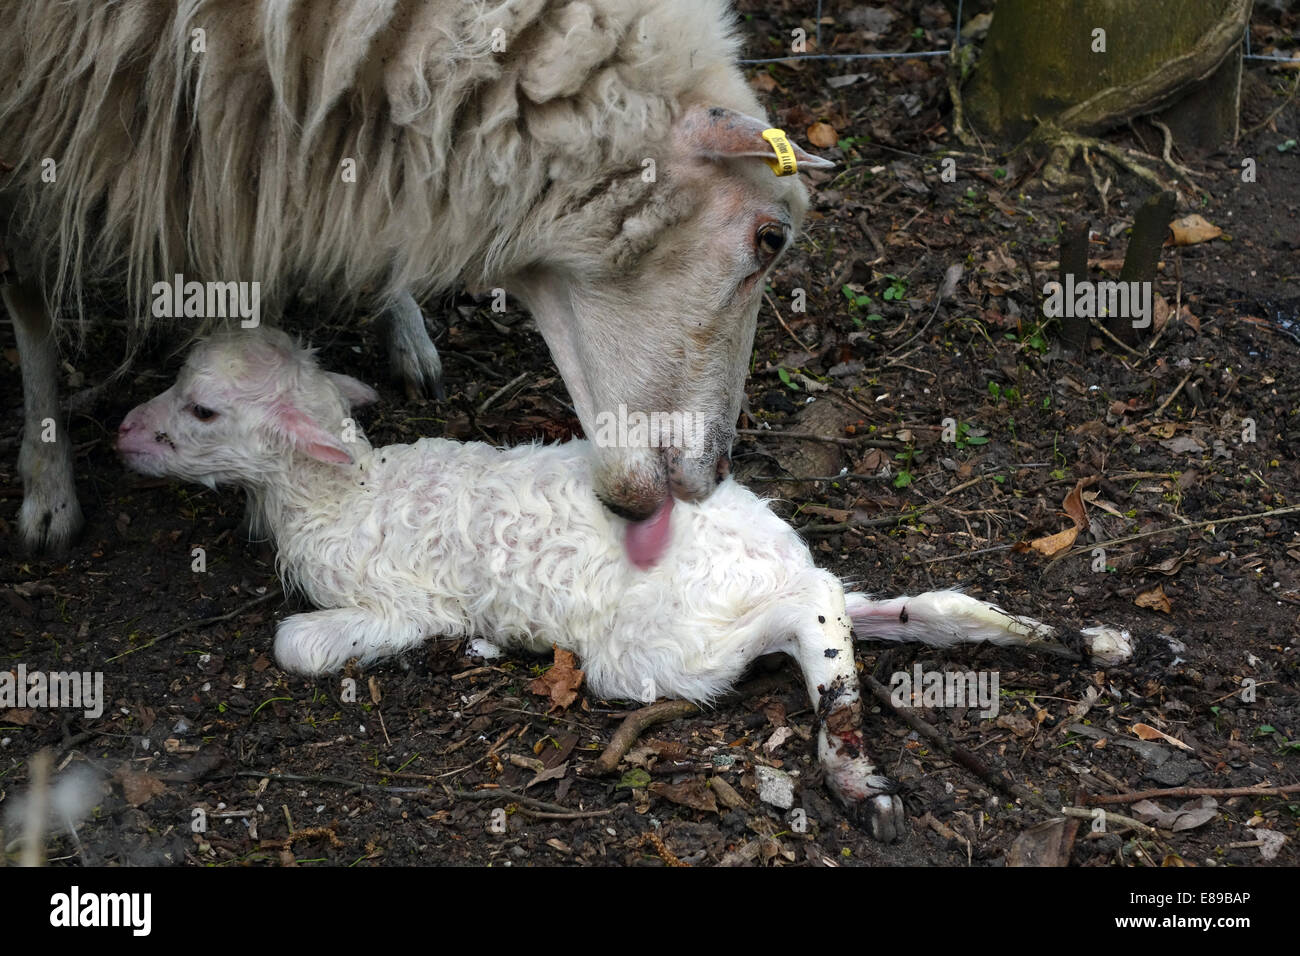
355 392
715 132
308 437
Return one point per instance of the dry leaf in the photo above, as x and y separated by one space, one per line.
1044 844
835 514
693 793
138 788
822 135
561 682
763 82
1147 732
1054 544
1018 724
727 794
1073 504
1156 600
1192 229
1160 313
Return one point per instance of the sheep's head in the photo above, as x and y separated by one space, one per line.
243 404
649 300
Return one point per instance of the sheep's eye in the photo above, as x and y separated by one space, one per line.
203 413
770 239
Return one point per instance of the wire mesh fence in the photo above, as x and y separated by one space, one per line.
960 22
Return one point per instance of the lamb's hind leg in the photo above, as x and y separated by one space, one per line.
823 645
320 642
50 516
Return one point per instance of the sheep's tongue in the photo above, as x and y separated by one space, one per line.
646 540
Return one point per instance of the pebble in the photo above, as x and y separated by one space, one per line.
775 787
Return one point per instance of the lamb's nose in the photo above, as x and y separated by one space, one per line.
724 467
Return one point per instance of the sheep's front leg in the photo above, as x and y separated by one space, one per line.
320 642
50 516
412 356
824 649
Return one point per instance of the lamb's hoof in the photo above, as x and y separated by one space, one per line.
49 524
870 799
882 816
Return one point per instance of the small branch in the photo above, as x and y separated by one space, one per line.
632 727
1117 819
1173 394
1087 548
194 625
856 442
788 331
1178 793
491 399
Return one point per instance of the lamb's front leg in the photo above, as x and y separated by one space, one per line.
823 645
320 642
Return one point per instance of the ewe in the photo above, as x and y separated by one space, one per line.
440 538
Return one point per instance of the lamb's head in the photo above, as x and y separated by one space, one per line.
243 405
649 300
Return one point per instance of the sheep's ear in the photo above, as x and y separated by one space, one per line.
355 392
309 438
715 132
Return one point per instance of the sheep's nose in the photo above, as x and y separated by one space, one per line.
724 467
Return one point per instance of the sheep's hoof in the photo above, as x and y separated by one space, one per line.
412 356
49 525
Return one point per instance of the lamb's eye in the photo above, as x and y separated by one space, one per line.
203 413
770 239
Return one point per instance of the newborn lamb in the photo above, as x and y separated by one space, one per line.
442 538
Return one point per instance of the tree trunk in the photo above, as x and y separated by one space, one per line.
1047 62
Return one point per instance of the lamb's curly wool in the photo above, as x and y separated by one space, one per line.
441 538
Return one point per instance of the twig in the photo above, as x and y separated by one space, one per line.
1118 819
491 399
1192 526
570 814
1173 394
1274 115
192 625
38 803
1167 155
856 441
1176 793
497 793
968 554
638 720
1111 335
789 331
955 752
632 727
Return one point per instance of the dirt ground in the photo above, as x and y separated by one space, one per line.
1188 441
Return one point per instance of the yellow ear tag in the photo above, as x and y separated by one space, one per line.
783 164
